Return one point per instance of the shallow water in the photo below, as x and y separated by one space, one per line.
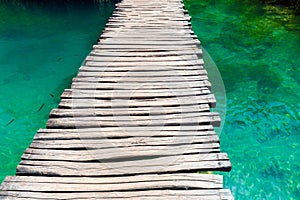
256 49
257 52
41 49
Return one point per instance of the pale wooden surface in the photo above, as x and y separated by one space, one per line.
136 123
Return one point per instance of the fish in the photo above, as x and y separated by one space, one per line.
41 107
11 121
51 95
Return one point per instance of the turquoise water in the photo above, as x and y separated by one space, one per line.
256 49
41 48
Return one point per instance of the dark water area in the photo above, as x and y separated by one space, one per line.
256 48
42 45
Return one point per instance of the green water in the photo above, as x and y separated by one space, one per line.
41 48
256 49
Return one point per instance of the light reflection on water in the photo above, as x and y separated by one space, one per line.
257 53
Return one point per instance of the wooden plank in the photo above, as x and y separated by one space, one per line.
209 178
95 61
145 81
116 21
120 132
225 194
176 116
158 15
100 153
168 164
136 183
170 69
63 187
177 17
173 77
134 93
96 77
148 26
125 121
119 21
136 68
118 58
125 86
128 141
150 10
128 48
148 53
84 102
161 32
150 46
105 71
128 111
191 194
142 37
152 6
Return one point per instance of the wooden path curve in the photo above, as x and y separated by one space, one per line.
136 123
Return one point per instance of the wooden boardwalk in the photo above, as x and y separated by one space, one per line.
136 123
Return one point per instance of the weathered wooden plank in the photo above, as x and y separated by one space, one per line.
128 141
134 93
132 26
84 102
149 9
136 47
103 184
141 26
149 53
105 71
142 37
128 111
180 16
156 69
120 132
127 86
96 77
159 17
173 77
147 12
175 116
124 121
225 194
137 33
170 164
127 48
191 194
63 187
148 80
149 5
132 58
198 62
142 63
165 16
209 178
122 21
114 152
